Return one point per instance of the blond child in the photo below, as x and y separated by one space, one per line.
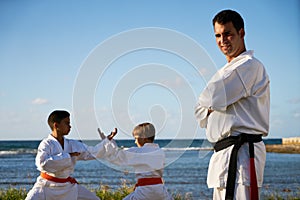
147 159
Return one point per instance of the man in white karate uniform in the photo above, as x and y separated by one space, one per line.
148 162
234 108
56 159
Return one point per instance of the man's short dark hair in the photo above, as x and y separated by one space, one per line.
226 16
57 116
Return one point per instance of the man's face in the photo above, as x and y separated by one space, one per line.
229 40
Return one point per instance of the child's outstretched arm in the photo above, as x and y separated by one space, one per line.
98 151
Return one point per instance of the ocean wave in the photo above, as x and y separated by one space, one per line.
181 148
187 149
18 151
34 151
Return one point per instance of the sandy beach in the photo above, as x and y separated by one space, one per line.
283 148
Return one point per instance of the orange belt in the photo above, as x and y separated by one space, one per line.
58 180
148 181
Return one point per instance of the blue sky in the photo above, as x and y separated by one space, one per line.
46 45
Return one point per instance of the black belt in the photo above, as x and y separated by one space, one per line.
238 141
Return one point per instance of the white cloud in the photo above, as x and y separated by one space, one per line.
297 114
277 122
173 83
294 101
204 71
39 101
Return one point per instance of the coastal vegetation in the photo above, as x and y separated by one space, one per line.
105 193
283 148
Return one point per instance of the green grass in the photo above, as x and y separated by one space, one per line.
103 192
276 195
12 194
106 193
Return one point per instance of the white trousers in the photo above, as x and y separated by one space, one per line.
242 192
150 192
48 190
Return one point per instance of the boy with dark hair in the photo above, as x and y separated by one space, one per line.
56 159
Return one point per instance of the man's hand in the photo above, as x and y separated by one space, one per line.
209 111
74 154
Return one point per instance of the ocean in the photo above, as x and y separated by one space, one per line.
185 171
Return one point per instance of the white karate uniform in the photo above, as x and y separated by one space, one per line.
148 162
56 161
239 94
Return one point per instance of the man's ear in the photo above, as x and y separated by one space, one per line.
242 33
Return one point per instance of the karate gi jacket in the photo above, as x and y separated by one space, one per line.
56 161
239 96
148 162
